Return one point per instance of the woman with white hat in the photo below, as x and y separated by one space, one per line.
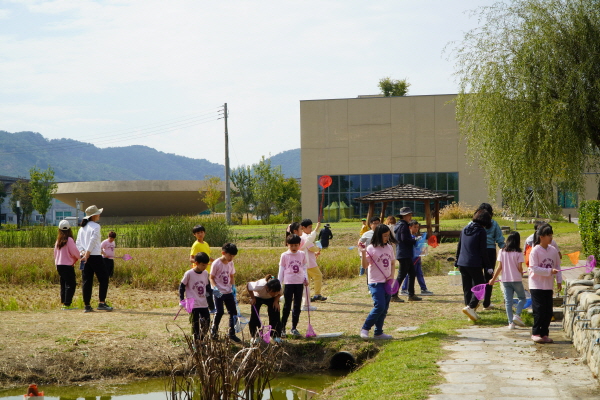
89 241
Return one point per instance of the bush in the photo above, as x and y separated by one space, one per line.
173 231
457 211
589 227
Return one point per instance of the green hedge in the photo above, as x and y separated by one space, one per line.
589 226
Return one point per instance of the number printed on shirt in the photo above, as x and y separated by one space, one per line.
296 269
200 290
225 280
386 263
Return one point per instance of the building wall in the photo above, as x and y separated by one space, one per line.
383 135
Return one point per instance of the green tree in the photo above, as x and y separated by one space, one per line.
21 192
43 187
529 99
288 199
392 87
211 193
243 180
267 188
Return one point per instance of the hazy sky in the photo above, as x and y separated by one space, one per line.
155 73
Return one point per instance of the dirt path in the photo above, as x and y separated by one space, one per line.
71 346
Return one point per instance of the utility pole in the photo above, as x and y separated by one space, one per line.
227 193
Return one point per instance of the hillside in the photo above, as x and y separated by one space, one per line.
73 160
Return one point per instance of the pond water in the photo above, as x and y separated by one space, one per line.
290 387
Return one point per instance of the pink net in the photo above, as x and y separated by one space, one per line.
126 257
591 264
479 291
392 286
265 333
188 304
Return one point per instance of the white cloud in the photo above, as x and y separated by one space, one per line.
92 66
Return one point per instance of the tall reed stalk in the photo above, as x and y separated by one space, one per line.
218 370
172 231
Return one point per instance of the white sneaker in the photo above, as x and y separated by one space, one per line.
470 313
382 336
518 321
490 307
309 308
511 326
364 333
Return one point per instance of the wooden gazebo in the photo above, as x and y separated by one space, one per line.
407 192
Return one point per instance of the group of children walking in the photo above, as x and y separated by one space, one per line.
476 260
205 282
211 282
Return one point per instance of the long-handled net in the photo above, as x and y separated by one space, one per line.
310 332
188 304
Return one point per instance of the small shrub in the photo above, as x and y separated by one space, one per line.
457 211
589 226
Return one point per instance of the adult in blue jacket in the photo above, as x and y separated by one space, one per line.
471 258
494 235
404 253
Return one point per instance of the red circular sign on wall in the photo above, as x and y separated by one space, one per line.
325 181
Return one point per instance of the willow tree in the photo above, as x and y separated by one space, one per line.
529 100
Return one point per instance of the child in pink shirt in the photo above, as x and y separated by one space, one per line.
66 255
193 286
107 248
378 258
222 280
510 264
544 264
292 273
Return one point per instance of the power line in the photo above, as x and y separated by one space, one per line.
141 132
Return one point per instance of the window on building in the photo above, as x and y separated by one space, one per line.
567 199
338 202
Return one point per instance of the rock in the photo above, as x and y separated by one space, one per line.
587 299
593 310
581 282
596 286
595 321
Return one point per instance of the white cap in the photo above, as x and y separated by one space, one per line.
64 225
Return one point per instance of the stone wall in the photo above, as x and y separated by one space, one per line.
581 320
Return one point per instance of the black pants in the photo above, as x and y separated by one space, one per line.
292 292
209 297
109 264
94 265
541 304
200 318
67 283
407 268
229 302
274 317
491 254
471 277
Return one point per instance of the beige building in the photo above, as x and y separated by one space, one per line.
371 143
131 201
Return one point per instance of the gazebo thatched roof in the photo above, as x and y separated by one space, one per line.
403 192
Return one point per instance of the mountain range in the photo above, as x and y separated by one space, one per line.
73 160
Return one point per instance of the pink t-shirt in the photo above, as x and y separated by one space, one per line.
221 273
195 287
68 254
382 257
311 258
510 262
541 263
292 267
109 248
